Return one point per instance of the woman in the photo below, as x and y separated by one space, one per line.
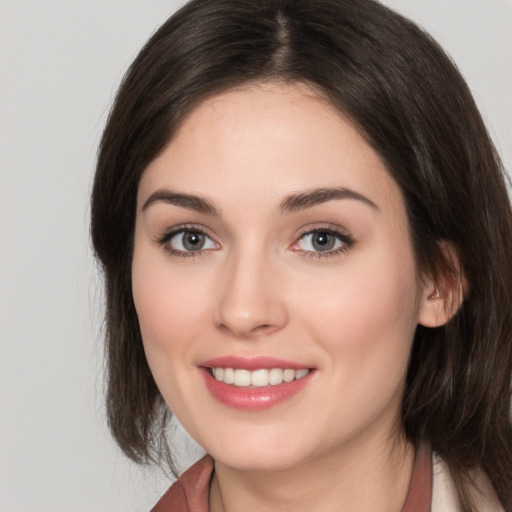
305 230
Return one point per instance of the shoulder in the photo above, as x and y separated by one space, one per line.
444 498
190 491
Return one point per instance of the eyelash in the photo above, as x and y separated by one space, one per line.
168 236
346 241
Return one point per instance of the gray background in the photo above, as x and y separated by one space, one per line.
60 64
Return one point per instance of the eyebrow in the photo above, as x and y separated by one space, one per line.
318 196
292 203
190 201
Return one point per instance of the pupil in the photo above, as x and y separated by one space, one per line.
193 241
323 241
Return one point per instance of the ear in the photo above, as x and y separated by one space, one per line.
442 294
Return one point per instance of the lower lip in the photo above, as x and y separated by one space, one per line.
253 398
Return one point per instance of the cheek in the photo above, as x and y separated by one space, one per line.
170 313
364 315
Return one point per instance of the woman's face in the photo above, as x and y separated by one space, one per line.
270 236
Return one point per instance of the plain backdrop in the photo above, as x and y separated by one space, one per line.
61 61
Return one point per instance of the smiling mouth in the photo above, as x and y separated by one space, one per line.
257 378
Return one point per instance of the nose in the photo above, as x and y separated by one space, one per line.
250 300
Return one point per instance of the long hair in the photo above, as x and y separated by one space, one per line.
410 103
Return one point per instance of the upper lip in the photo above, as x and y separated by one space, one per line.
251 363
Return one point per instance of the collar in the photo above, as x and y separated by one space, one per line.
190 492
419 497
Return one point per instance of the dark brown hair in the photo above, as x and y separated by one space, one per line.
410 103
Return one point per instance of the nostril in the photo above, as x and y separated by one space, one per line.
264 328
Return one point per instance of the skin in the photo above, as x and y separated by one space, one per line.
260 288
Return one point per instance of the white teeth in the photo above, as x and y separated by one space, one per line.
301 373
229 376
275 376
288 375
242 378
258 378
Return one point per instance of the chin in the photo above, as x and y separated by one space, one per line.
257 452
259 460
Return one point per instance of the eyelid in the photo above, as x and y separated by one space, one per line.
341 234
169 234
347 241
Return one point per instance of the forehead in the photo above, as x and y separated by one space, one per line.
268 140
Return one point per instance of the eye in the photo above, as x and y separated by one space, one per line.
188 241
320 241
323 242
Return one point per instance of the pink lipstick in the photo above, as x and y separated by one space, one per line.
254 384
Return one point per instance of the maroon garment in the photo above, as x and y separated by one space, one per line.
190 492
419 497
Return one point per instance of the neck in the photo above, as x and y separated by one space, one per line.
349 479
